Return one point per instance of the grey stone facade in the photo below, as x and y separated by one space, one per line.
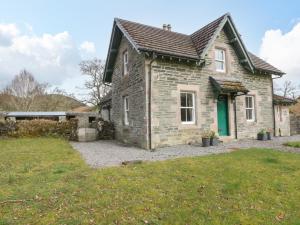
168 78
134 86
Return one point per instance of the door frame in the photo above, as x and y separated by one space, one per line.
228 133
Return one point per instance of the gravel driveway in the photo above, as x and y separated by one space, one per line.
113 153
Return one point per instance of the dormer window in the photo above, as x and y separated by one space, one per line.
220 60
125 63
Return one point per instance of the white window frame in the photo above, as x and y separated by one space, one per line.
250 108
188 107
125 63
126 110
223 61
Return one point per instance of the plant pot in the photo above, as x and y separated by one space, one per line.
205 142
214 141
262 137
269 135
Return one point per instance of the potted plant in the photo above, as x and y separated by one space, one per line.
262 135
269 134
214 140
206 139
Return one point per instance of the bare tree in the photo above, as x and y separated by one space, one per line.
94 69
288 89
23 91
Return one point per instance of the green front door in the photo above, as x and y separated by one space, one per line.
223 115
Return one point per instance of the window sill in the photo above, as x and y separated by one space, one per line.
185 126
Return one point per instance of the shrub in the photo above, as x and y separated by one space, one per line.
40 128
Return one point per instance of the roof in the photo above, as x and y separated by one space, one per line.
35 114
150 39
263 65
201 37
226 86
280 100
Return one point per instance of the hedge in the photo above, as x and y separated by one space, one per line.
39 128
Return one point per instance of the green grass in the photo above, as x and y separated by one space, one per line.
295 144
244 187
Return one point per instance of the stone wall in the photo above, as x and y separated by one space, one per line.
294 124
282 125
170 77
134 86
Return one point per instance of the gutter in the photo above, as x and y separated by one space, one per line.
154 56
273 106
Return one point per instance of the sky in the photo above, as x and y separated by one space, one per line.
49 38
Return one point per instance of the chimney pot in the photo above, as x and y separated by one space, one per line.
169 27
164 26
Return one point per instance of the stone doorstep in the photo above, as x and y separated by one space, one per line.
227 139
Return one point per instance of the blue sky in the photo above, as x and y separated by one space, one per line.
91 20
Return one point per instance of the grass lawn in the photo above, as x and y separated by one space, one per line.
295 144
52 185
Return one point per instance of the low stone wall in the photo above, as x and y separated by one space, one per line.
294 124
97 130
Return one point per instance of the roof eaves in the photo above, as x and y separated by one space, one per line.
244 49
182 56
108 52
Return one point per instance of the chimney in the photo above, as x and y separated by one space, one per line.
165 27
169 27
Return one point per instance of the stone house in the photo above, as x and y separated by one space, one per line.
168 88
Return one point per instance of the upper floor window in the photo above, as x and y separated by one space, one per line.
220 60
126 110
187 107
250 110
125 63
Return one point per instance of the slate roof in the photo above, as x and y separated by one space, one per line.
150 38
34 114
280 100
146 38
263 65
201 37
227 86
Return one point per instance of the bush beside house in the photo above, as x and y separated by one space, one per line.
39 128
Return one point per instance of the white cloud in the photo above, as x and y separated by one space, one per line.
88 47
283 51
51 58
7 33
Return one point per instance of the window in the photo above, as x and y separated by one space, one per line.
92 119
125 63
126 110
250 113
220 60
187 107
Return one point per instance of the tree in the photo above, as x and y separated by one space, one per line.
288 89
23 90
97 89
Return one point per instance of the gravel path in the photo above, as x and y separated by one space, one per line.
113 153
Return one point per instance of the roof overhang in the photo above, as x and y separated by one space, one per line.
116 36
228 86
280 100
